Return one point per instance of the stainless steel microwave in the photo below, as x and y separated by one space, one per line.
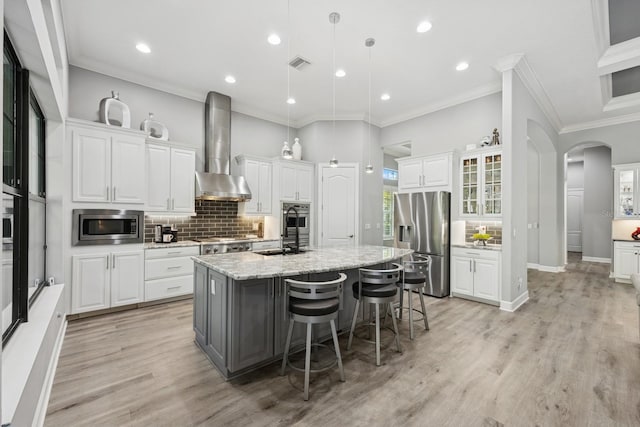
107 227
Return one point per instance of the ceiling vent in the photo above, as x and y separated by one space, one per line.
299 62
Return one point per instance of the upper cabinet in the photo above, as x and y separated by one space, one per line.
170 179
429 173
108 164
259 175
627 202
481 184
295 180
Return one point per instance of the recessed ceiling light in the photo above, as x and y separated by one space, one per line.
291 101
424 26
230 79
462 66
274 39
144 48
385 97
340 73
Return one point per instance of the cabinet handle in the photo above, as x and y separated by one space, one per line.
107 262
113 262
108 193
470 266
173 253
474 265
174 267
168 206
114 193
173 287
173 204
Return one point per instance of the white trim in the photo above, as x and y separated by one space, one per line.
546 268
477 93
624 101
515 304
611 121
43 402
596 259
519 63
600 14
620 56
307 120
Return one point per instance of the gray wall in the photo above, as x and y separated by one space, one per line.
448 129
598 202
624 140
533 204
183 117
575 175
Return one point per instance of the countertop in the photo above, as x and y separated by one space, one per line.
489 247
249 265
183 243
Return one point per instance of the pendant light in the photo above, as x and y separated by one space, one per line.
334 18
369 43
287 153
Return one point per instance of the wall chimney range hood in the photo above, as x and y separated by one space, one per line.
216 183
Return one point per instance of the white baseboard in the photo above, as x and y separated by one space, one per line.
512 306
43 402
546 268
596 259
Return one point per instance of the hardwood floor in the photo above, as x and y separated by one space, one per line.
569 357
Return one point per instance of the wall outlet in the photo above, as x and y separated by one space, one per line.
256 226
519 283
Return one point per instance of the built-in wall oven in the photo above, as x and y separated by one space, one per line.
290 219
107 227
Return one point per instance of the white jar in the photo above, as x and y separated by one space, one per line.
297 149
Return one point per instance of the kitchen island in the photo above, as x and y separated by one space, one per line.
239 316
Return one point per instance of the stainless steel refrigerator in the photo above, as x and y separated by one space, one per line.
421 222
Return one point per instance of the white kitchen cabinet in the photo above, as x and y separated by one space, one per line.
295 181
428 173
170 179
106 279
169 272
627 181
259 175
108 165
626 260
475 274
481 184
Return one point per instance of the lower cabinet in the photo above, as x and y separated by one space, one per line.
475 273
106 279
626 260
169 272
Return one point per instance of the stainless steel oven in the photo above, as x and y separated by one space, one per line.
289 221
107 227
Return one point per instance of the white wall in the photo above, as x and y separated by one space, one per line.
183 117
533 204
623 140
447 129
598 203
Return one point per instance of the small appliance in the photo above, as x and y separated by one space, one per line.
107 227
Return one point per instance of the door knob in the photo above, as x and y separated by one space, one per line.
351 236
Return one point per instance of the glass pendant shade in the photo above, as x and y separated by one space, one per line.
333 162
369 168
286 151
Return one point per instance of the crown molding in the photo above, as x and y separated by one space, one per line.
620 57
307 120
620 102
479 92
519 63
600 15
611 121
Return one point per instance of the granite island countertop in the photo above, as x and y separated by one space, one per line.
249 265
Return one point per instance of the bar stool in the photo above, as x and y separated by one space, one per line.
312 303
376 287
414 277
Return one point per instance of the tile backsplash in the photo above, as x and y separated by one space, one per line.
213 218
494 229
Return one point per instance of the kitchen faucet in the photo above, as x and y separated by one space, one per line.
286 229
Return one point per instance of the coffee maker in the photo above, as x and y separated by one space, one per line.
169 233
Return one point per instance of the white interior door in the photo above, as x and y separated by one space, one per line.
338 213
574 220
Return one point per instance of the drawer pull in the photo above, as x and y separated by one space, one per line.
174 253
174 267
173 287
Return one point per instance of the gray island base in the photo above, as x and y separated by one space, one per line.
239 315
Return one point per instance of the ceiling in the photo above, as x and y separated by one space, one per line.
196 43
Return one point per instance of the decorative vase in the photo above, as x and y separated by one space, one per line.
286 150
297 149
154 128
636 234
111 106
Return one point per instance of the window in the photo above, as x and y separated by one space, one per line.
387 212
23 195
389 174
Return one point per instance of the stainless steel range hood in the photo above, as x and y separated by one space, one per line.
216 183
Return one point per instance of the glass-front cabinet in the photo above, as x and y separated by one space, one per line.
481 182
627 192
